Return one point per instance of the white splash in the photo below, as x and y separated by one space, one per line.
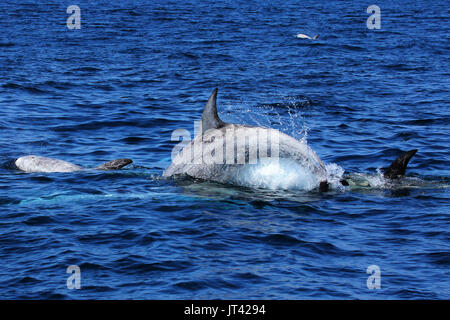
277 174
335 174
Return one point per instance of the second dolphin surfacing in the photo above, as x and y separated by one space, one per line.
248 156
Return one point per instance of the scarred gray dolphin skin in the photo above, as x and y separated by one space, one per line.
34 163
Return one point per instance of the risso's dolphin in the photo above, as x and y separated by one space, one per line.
305 36
256 157
247 155
34 163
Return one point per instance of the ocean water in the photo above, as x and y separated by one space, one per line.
138 70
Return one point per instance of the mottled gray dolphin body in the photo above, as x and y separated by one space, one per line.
247 155
32 163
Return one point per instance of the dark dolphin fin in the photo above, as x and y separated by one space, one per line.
114 164
398 167
210 119
324 186
316 36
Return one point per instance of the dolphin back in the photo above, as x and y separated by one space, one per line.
34 163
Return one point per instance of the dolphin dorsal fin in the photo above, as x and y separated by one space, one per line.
398 166
210 119
114 164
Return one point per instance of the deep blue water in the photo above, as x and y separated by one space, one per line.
137 70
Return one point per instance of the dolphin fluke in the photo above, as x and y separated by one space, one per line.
115 164
398 166
210 118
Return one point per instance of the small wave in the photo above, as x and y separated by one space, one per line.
97 125
353 48
282 240
7 44
440 258
133 140
62 85
7 200
133 265
425 122
40 220
57 198
91 266
404 67
192 285
30 89
27 280
86 69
